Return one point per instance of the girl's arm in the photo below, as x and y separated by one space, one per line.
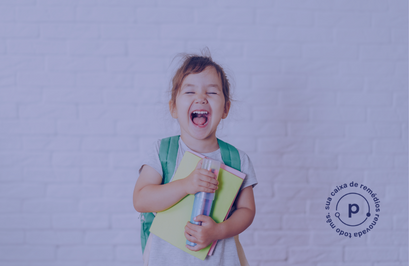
151 196
210 231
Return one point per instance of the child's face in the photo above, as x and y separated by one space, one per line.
200 105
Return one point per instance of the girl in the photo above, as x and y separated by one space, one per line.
200 100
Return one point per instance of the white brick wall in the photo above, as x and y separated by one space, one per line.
321 95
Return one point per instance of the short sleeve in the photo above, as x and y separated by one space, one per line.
152 158
248 169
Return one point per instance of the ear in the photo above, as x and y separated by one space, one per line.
226 109
172 109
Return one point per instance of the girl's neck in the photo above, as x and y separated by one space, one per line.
202 145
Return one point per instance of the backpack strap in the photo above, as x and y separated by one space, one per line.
168 152
230 155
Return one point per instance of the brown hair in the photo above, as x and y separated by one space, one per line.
193 64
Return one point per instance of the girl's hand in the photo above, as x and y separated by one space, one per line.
200 180
202 235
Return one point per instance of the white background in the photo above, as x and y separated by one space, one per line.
320 100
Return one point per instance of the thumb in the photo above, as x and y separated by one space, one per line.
199 164
202 218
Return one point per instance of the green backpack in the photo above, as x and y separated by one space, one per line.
168 151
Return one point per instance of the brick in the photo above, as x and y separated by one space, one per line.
299 4
30 253
277 238
126 3
8 111
41 78
266 221
110 14
19 63
80 221
102 175
378 5
303 35
10 206
118 190
25 221
130 32
17 2
188 32
350 114
109 144
245 3
383 52
323 176
346 85
50 205
382 130
74 191
336 19
225 16
64 63
13 173
385 238
36 47
21 190
19 95
54 143
126 64
391 146
303 98
312 161
19 30
371 254
7 13
105 80
112 237
90 127
48 111
375 84
293 204
399 36
154 48
77 159
25 159
111 112
302 66
125 159
165 15
45 14
54 175
54 237
362 36
265 113
106 205
274 49
126 221
365 161
269 254
300 18
396 19
136 96
344 146
246 32
300 254
330 51
387 114
70 30
85 253
367 99
11 237
400 222
97 48
287 145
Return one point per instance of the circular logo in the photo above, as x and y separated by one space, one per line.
352 209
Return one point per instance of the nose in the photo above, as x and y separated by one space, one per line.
201 98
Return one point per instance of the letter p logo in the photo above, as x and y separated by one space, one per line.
350 211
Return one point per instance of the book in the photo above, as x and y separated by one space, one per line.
170 223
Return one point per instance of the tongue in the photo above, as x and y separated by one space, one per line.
200 120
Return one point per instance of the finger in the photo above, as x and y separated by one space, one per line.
199 164
207 186
190 237
203 218
195 248
189 229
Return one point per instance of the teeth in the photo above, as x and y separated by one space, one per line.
200 112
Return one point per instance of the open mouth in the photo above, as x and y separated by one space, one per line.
199 118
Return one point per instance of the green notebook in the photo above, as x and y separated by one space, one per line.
170 224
